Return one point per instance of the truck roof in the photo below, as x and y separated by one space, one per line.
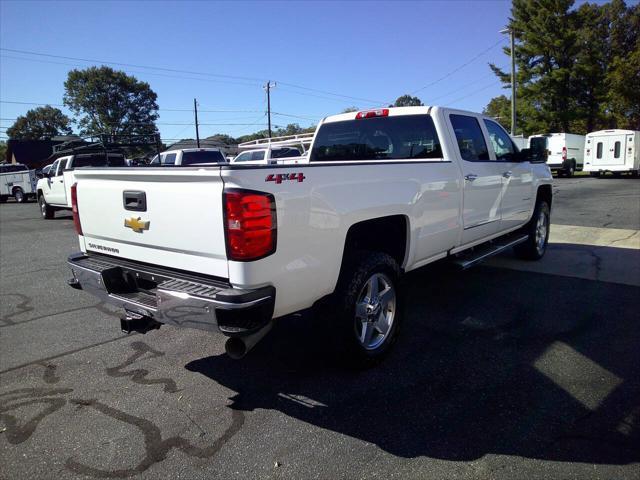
611 131
393 111
192 150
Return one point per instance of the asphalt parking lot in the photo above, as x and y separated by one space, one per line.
508 370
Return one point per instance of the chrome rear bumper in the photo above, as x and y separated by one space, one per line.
171 297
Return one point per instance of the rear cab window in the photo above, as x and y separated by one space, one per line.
400 137
203 156
470 139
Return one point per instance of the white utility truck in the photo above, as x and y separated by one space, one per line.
565 151
616 151
17 181
188 156
232 247
54 188
289 149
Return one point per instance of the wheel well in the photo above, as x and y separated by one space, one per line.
544 193
13 190
385 234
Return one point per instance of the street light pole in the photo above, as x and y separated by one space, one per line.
513 79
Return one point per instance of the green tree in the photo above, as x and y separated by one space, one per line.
350 109
545 51
500 109
40 123
223 138
407 101
110 101
3 152
623 74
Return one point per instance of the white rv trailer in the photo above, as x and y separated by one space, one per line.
613 151
565 151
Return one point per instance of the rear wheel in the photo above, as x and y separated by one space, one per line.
366 312
571 170
18 194
594 174
535 246
46 211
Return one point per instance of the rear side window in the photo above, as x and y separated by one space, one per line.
258 155
616 150
377 138
169 159
285 152
599 150
194 158
471 143
501 141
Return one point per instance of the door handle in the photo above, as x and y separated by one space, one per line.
507 174
471 177
61 181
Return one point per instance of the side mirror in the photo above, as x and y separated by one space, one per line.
532 155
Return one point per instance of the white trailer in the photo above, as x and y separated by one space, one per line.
520 141
17 181
565 151
615 151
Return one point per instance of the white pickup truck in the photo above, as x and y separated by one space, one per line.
231 248
54 188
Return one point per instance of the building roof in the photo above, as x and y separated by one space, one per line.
33 153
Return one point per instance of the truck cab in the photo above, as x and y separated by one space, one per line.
188 157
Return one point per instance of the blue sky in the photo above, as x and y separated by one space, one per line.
373 52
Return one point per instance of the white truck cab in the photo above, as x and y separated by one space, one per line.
565 151
54 188
616 151
188 156
284 150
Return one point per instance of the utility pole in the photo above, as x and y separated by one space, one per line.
268 88
513 79
195 111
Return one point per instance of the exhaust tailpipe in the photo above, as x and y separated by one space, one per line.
238 347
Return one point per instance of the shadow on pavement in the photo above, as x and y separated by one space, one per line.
490 361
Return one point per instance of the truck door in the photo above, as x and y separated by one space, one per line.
517 182
57 193
482 179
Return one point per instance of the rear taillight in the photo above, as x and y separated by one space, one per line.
74 208
380 112
564 153
250 224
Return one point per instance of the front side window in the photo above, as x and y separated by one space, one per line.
616 150
377 138
599 150
471 143
501 142
243 157
169 159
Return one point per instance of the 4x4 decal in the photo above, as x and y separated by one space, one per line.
282 177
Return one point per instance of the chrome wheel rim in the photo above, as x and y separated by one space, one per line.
43 208
542 226
375 311
18 195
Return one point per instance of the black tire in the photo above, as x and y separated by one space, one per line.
571 170
46 211
594 174
19 195
533 248
346 327
3 198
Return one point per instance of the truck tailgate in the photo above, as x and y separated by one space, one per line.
181 225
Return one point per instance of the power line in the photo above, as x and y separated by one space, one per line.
457 69
474 92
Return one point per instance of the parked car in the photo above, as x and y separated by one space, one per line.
17 181
565 151
266 156
229 249
54 189
187 157
616 151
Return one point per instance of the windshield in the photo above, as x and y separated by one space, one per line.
538 144
98 160
204 156
379 138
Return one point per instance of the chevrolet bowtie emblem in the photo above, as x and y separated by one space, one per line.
136 224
